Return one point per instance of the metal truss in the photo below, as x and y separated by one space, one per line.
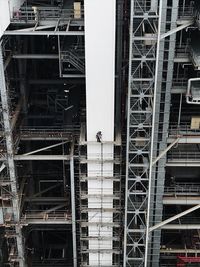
143 69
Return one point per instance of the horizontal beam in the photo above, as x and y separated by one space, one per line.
48 221
184 59
179 90
186 139
180 251
73 75
47 33
46 199
183 163
181 227
42 157
62 81
35 56
46 138
184 200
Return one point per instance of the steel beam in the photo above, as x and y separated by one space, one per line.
180 251
35 56
153 133
42 157
49 221
173 218
47 33
181 200
44 148
73 205
61 81
181 227
165 151
183 163
187 139
179 28
47 189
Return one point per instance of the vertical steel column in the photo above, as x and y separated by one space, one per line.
127 141
163 122
153 133
143 75
73 206
10 159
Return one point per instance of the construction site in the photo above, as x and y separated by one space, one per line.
99 133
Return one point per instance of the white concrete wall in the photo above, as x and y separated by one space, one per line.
6 12
100 77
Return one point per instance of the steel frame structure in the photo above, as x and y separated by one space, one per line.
140 129
147 128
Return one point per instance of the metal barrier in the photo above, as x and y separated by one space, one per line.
38 14
48 132
42 215
184 155
185 12
183 129
183 188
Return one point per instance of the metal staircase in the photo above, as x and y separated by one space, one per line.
71 56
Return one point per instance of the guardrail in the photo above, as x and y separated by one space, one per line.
185 12
38 14
180 82
42 215
183 129
67 132
183 188
184 155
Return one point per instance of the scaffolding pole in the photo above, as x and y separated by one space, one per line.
73 205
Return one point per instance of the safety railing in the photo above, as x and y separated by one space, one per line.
180 82
182 51
185 12
183 188
48 131
183 129
38 14
46 216
193 155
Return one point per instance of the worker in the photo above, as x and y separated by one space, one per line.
35 11
99 137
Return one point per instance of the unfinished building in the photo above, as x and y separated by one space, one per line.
100 133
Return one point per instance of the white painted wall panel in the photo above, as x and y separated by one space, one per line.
100 59
100 78
6 12
4 15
